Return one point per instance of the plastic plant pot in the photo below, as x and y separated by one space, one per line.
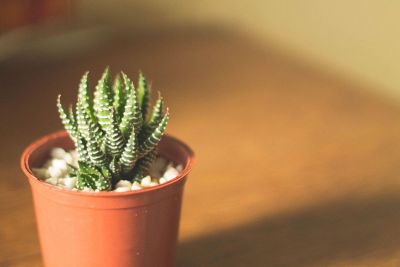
103 229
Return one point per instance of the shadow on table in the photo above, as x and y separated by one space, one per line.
341 231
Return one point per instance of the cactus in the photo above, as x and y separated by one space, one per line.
112 134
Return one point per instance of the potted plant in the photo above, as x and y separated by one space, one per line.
107 191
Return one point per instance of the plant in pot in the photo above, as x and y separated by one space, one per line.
107 191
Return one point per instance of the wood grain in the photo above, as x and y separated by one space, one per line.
294 167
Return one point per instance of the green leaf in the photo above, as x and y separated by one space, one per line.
103 99
155 119
130 154
104 181
111 135
87 176
132 117
114 138
92 177
72 116
120 95
143 95
143 165
83 97
115 168
152 141
67 121
82 149
85 113
96 155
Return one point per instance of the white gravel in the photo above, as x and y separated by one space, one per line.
55 171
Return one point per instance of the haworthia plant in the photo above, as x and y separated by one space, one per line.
113 135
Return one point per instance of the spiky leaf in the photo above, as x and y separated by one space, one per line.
72 116
132 117
155 119
115 167
87 176
114 138
151 142
103 99
143 165
83 97
143 95
119 97
91 177
104 181
130 154
82 149
96 155
66 120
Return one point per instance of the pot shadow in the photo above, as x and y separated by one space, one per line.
354 229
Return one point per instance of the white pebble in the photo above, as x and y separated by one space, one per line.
122 189
170 173
136 186
68 159
57 153
146 181
68 183
179 168
123 183
74 155
59 164
52 180
153 183
55 172
41 173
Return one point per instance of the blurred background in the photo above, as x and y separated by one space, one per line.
292 109
357 38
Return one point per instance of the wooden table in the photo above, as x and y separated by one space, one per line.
295 167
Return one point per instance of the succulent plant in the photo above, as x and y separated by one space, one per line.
113 135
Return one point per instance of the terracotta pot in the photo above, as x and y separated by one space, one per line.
110 229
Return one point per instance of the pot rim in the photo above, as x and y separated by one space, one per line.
62 133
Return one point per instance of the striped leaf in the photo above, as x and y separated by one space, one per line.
84 99
66 121
91 177
143 95
155 119
87 176
132 117
152 141
72 117
120 96
85 113
83 121
129 155
115 168
82 149
103 99
96 155
103 183
143 165
114 138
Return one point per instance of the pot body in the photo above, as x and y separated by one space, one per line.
85 229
